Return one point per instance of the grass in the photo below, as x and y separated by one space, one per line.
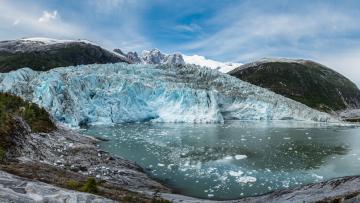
90 186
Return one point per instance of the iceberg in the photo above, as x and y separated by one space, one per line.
117 93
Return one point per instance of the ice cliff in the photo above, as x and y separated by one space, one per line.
115 93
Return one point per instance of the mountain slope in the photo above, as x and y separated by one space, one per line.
305 81
116 93
44 54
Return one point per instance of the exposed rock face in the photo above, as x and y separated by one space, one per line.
155 56
17 189
44 55
175 59
305 81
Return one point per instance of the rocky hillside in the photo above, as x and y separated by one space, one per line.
44 54
305 81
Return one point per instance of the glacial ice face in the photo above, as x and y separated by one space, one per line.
115 93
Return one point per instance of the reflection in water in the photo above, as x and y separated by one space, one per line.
235 159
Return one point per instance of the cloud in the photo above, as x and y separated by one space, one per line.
19 21
259 35
192 27
106 6
345 62
48 16
322 33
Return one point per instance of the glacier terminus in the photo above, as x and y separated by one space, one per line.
117 93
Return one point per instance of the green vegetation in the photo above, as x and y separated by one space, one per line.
90 186
37 118
307 82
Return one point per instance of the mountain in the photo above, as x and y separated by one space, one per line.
305 81
44 54
116 93
155 56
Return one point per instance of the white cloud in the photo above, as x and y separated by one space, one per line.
16 22
345 62
22 20
105 6
48 16
319 34
188 28
257 35
19 21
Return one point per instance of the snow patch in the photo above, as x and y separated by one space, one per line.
202 61
50 41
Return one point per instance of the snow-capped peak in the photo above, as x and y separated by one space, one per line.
155 56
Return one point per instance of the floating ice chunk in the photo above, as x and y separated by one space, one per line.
240 156
318 177
228 157
170 166
246 179
235 173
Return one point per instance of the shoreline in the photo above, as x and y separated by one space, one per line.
63 156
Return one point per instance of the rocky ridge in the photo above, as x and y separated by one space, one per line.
44 54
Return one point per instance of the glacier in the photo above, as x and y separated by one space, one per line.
116 93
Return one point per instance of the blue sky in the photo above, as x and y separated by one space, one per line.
327 31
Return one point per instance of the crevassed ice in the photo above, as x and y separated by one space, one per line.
115 93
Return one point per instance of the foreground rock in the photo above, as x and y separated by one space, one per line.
66 159
345 190
17 189
337 190
305 81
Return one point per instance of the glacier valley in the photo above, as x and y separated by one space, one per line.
117 93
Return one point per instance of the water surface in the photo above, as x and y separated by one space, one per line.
237 158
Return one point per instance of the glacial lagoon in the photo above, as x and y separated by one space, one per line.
237 158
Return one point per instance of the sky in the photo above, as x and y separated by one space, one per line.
326 31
